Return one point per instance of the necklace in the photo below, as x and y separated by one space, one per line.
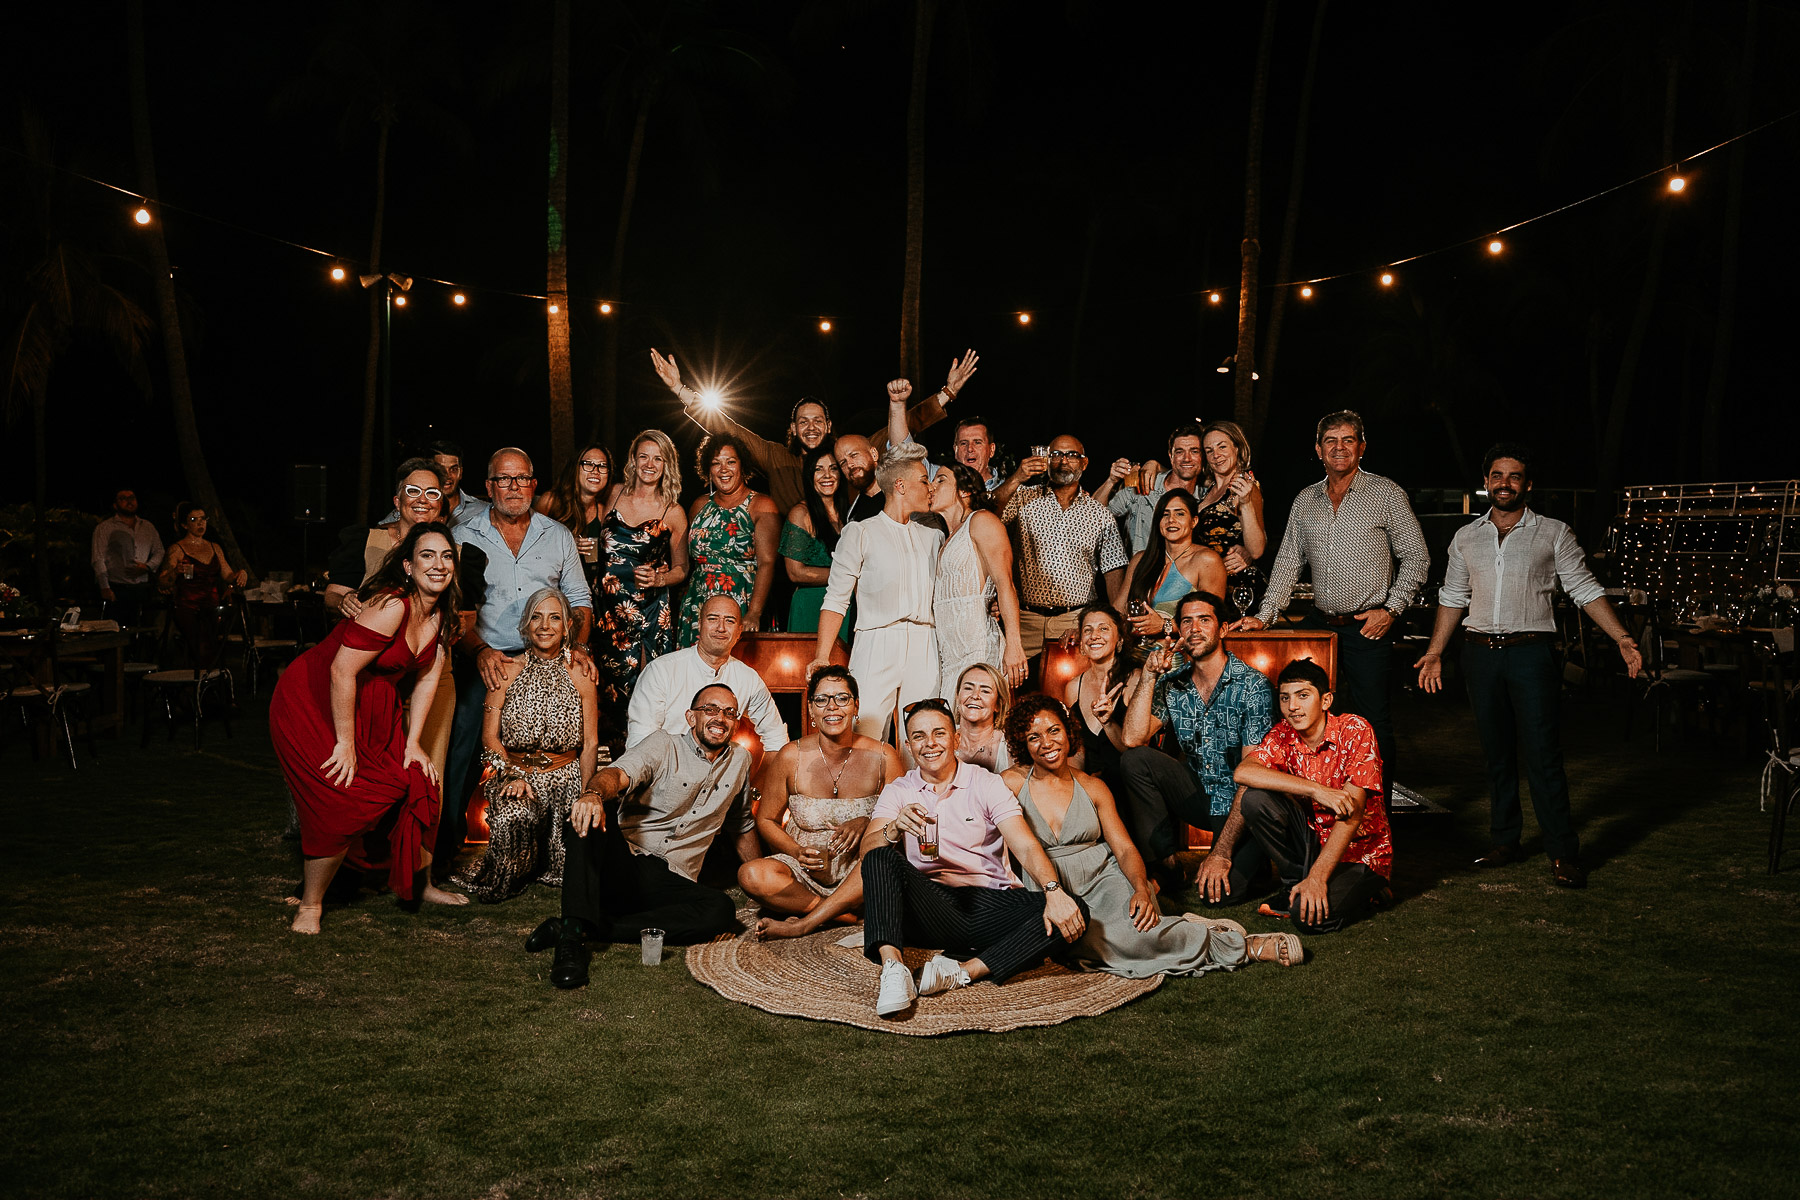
842 767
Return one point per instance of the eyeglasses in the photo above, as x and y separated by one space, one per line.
715 710
833 700
512 481
413 491
588 464
1055 454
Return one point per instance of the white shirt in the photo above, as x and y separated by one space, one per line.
117 545
890 569
665 691
1509 584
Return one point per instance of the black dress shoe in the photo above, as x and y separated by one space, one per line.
569 969
544 936
1567 872
1500 856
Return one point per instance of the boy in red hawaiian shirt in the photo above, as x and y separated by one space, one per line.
1313 805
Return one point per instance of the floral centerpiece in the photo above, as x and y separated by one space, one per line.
15 608
1770 606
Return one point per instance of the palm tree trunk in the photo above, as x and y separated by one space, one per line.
606 423
562 387
40 457
1720 374
365 469
1243 382
1259 413
1081 302
924 11
181 396
1612 446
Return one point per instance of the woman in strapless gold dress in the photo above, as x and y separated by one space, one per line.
817 794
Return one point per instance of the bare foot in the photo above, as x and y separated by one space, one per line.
438 895
306 920
792 927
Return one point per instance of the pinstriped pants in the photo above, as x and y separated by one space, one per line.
1003 927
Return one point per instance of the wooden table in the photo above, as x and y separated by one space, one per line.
109 648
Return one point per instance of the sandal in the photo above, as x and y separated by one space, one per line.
1281 948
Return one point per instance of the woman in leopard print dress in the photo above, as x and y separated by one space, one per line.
540 743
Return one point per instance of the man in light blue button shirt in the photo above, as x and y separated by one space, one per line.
508 552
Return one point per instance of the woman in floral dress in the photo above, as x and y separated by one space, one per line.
732 538
645 556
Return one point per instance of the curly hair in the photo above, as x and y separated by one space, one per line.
710 449
1018 724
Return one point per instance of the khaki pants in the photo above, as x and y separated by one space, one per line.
1035 629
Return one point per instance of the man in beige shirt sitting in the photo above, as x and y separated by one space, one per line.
637 867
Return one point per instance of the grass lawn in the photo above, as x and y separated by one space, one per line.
164 1034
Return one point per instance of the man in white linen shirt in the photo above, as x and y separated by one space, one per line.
889 565
664 688
126 552
1503 571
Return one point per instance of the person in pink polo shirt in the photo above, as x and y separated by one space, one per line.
1312 805
935 872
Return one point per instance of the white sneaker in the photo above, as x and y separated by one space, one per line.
941 973
897 990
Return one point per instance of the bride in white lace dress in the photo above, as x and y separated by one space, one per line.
974 568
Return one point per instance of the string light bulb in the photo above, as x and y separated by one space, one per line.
399 301
1215 298
605 308
1024 318
459 299
141 216
824 326
338 274
1387 279
1677 183
1306 292
1496 246
554 310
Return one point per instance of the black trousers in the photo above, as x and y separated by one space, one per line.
460 764
1516 692
128 603
1003 927
616 894
1365 685
1160 795
1283 837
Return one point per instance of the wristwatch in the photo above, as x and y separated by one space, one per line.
1053 886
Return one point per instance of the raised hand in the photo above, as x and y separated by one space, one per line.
960 371
1105 704
898 390
666 370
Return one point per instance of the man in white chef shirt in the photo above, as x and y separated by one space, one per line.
889 566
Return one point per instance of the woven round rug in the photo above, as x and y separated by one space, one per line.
816 978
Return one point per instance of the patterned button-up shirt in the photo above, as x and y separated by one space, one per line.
1351 550
1509 585
1213 733
680 799
1346 755
1063 549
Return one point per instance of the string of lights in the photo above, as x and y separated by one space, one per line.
342 266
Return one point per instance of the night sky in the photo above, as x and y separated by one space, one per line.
1059 135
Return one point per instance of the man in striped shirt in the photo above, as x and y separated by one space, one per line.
1357 532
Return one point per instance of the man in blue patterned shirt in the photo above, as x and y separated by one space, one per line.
1217 705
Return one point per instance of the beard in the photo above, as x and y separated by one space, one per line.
1514 504
1063 476
857 479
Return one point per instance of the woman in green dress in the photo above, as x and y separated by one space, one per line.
732 535
807 540
1073 815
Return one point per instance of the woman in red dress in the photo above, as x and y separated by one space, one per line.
365 790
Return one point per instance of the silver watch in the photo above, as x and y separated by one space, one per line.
1053 886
